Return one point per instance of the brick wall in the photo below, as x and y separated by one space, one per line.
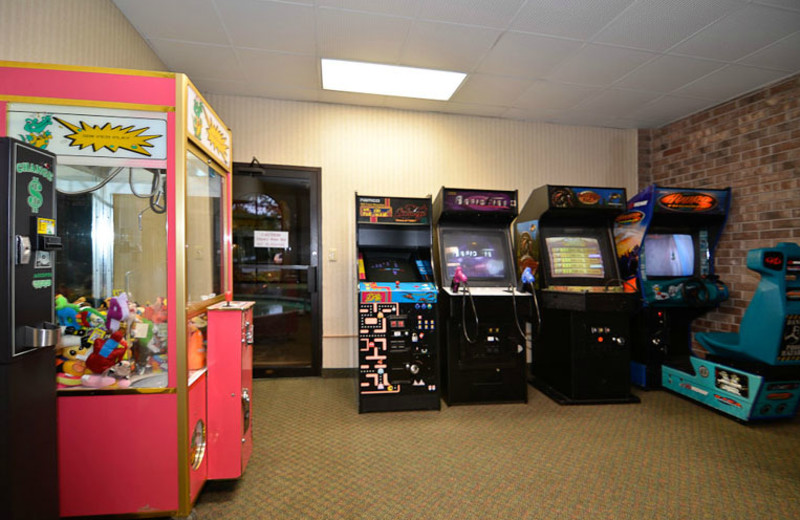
752 144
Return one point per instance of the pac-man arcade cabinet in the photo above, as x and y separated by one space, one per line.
398 359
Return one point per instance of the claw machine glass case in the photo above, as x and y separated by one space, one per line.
143 202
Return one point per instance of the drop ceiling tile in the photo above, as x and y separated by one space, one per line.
670 108
272 26
255 89
657 25
474 110
199 61
446 107
544 95
783 55
786 4
407 8
666 73
526 55
574 118
728 82
531 114
483 89
447 46
599 65
568 18
754 27
488 13
156 19
351 98
280 69
361 36
617 102
623 122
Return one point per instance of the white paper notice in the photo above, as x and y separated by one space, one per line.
279 239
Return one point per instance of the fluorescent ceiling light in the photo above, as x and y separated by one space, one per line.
389 80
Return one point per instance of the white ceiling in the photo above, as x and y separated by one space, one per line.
612 63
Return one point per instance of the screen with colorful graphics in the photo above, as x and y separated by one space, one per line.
483 255
669 255
575 257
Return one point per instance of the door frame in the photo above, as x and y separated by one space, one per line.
314 175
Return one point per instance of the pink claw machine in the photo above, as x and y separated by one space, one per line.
143 208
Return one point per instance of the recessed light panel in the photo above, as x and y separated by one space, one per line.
389 80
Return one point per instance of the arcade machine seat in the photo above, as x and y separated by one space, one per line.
770 329
753 374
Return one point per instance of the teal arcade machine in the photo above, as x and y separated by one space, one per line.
398 360
665 246
753 374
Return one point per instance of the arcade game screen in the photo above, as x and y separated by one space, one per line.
390 267
669 255
482 255
575 257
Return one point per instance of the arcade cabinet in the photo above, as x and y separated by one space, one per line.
398 358
753 374
143 210
666 242
28 437
482 312
564 235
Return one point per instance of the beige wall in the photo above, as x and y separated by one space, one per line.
378 151
91 33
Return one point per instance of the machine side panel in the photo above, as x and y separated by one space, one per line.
145 457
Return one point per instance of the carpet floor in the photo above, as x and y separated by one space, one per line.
666 458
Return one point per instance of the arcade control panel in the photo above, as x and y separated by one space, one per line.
398 348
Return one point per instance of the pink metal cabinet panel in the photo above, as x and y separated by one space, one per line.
117 454
198 472
113 86
230 383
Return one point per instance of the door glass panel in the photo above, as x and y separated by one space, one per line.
204 248
272 266
111 277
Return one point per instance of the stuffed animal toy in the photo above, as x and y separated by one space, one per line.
117 312
71 365
107 352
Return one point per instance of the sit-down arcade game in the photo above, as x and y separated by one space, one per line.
753 374
666 242
564 235
398 361
481 309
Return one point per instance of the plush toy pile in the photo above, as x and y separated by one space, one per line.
106 347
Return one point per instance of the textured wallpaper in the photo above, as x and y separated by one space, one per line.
378 151
91 33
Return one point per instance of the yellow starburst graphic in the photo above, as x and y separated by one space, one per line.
109 137
217 139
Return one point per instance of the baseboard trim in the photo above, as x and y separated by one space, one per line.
339 372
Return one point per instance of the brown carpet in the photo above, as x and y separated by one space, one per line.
666 458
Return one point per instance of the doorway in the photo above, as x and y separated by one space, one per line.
276 244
